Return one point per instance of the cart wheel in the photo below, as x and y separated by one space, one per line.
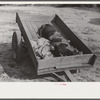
17 46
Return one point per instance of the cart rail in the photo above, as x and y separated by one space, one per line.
29 25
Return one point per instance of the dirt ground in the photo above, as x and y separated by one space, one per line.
83 22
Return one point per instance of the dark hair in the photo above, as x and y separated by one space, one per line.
46 31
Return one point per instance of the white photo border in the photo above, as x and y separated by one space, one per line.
50 90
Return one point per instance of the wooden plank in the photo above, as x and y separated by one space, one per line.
57 62
70 76
57 77
27 37
62 68
31 30
34 26
70 35
69 62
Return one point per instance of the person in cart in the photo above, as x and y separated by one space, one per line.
60 46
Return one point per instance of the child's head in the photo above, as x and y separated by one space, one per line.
56 37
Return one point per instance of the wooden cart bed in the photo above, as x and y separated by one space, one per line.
29 24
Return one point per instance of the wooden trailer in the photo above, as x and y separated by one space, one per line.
28 27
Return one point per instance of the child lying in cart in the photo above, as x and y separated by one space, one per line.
52 44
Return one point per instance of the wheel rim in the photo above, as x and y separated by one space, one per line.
14 54
14 45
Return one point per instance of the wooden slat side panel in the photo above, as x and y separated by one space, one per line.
69 34
34 26
31 30
62 68
58 62
27 37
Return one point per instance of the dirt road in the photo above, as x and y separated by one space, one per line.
84 23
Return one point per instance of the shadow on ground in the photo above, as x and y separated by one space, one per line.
24 70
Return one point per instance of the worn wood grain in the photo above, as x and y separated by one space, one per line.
70 76
29 25
31 30
58 77
62 68
57 62
28 38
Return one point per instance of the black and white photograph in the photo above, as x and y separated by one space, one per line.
50 42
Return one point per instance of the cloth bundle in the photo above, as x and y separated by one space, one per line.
42 48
